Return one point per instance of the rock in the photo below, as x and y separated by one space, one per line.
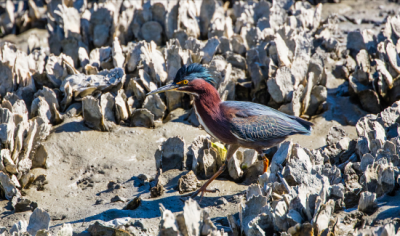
83 85
177 115
186 21
367 159
173 153
155 105
118 57
363 67
133 56
117 198
253 211
210 49
294 107
142 118
233 225
294 218
152 31
168 224
393 56
107 105
40 108
283 51
381 68
92 113
26 180
284 151
323 217
133 204
253 190
333 173
192 118
190 220
157 190
236 60
56 69
66 230
8 187
249 158
390 115
336 133
39 219
367 202
23 204
146 80
350 177
9 164
40 182
19 227
121 111
19 110
355 41
370 101
83 57
188 182
337 191
98 229
207 163
238 45
20 134
228 85
74 110
196 150
234 165
135 90
318 95
145 177
7 127
386 179
208 226
25 162
153 63
67 97
280 86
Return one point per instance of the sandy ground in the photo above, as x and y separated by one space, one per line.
83 162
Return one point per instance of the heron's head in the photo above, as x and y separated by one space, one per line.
189 79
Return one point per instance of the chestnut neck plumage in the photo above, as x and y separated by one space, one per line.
208 98
208 110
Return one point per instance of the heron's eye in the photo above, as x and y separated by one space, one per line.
183 82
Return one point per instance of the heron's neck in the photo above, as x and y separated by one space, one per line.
208 101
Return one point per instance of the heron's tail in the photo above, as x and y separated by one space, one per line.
305 127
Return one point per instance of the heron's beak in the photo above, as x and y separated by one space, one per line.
165 88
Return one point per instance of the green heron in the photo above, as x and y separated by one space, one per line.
239 124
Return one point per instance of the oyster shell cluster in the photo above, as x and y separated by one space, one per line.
256 51
303 188
103 58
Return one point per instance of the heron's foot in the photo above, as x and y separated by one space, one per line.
266 163
203 190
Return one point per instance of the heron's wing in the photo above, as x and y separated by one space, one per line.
255 122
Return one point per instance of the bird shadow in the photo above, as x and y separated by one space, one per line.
149 208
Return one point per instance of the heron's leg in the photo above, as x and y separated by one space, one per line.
231 150
266 163
265 160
